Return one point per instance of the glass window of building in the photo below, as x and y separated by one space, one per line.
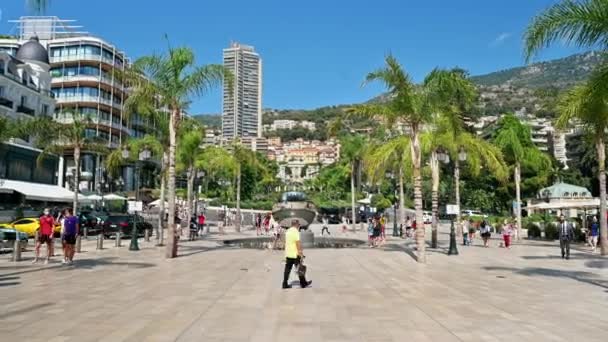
2 66
45 110
23 101
2 91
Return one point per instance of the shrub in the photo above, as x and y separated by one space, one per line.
533 230
579 235
551 232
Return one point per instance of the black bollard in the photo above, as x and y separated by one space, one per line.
453 248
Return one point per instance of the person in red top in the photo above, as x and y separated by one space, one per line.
45 235
201 222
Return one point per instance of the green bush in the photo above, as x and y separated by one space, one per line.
551 231
579 235
533 230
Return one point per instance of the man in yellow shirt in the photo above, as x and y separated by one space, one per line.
293 254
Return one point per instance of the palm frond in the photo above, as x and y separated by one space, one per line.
581 23
205 78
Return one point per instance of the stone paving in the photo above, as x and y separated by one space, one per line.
215 293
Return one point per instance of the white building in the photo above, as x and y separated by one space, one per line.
242 100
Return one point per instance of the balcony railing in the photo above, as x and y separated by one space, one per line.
25 110
6 102
86 57
89 78
29 86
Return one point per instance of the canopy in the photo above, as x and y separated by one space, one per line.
94 197
157 203
566 204
37 191
114 197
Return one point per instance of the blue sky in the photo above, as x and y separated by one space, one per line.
315 52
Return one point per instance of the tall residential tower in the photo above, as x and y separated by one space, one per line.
242 99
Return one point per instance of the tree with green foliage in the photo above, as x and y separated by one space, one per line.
188 152
57 138
515 141
406 105
171 81
590 108
352 149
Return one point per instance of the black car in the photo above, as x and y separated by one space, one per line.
123 223
92 220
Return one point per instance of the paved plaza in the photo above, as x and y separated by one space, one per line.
216 293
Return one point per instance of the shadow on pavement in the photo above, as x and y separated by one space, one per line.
597 263
4 281
78 264
25 310
191 250
581 276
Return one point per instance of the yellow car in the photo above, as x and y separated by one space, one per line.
29 226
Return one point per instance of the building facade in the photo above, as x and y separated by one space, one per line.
84 80
242 98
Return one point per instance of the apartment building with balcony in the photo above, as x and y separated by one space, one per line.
84 77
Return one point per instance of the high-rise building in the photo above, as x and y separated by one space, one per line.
84 81
242 98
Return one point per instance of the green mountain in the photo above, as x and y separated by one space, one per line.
560 73
209 120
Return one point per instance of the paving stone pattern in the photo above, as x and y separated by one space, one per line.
214 293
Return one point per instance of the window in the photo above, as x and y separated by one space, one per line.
23 101
2 64
45 110
56 52
24 77
1 91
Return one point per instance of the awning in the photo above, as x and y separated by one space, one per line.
114 197
37 191
566 204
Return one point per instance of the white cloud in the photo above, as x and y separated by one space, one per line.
500 39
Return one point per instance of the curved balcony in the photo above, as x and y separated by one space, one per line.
106 83
89 99
113 126
86 57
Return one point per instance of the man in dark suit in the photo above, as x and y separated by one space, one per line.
566 234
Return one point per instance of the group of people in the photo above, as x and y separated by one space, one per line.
471 228
70 228
376 230
265 225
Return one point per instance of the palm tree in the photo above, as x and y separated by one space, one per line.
242 156
352 149
57 138
406 105
188 152
454 95
170 81
582 23
392 155
590 108
515 141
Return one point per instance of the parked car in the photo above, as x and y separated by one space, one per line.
7 239
29 226
123 223
92 220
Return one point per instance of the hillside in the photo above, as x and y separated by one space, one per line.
209 120
559 73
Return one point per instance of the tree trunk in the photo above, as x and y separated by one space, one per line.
76 179
161 213
416 161
353 195
601 157
401 195
457 192
171 251
518 197
190 190
434 196
237 219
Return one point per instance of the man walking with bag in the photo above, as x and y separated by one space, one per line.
293 255
566 234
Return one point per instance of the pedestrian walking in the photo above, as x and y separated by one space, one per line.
370 232
408 226
344 224
594 234
465 232
325 225
71 230
382 227
258 224
293 255
45 235
566 235
472 231
377 232
507 233
486 233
